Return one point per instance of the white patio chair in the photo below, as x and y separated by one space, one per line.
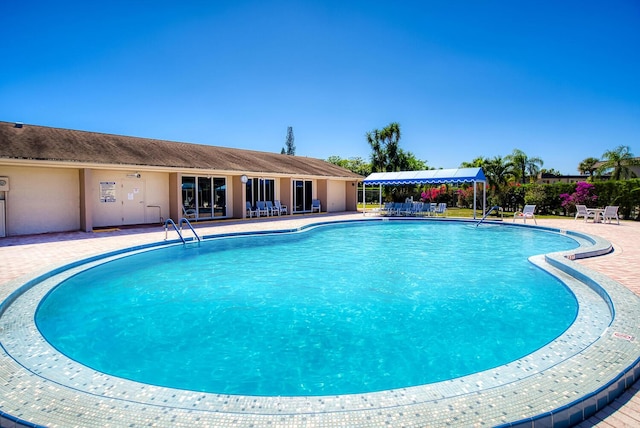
609 213
315 205
527 212
188 212
581 211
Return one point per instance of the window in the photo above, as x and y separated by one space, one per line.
260 189
204 196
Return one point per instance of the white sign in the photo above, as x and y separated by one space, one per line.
107 191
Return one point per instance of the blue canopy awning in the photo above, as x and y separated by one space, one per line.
431 176
434 176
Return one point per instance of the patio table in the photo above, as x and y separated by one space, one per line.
597 213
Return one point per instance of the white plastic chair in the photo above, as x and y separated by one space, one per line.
527 212
188 212
609 213
315 205
583 211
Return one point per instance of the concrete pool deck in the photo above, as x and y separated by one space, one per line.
25 396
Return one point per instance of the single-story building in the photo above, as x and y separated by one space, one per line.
54 180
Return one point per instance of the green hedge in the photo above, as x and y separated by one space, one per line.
624 193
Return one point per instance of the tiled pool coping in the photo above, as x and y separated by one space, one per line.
564 382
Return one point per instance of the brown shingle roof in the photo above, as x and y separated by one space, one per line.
66 145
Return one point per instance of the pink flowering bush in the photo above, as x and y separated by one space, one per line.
584 195
432 193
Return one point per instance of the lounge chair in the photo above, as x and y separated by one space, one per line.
609 213
272 209
282 209
396 208
527 212
188 212
387 208
315 205
261 207
250 211
441 209
581 211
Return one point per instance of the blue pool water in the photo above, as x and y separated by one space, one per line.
338 309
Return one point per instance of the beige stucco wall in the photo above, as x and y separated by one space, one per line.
336 196
41 200
137 200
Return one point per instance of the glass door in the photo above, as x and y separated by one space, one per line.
220 197
302 195
204 197
260 189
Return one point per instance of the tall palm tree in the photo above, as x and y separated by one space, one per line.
386 155
619 160
522 164
588 166
498 172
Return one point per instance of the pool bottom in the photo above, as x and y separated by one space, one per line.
568 380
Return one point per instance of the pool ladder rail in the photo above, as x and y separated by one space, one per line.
495 208
179 230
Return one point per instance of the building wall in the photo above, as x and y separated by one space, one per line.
45 199
336 196
120 198
41 200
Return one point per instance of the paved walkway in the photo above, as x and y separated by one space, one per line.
29 255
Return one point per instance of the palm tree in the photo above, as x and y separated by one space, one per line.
497 172
523 164
386 155
588 166
476 163
619 160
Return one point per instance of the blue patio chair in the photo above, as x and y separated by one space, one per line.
250 211
261 206
282 209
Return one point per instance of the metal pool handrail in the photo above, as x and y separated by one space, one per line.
179 231
495 208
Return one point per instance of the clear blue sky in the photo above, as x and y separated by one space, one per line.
559 80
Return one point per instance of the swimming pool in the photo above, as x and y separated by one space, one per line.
447 399
338 309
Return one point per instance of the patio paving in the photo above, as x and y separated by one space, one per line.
30 255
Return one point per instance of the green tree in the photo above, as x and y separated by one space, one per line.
478 162
523 164
588 166
618 162
385 150
289 145
355 164
551 171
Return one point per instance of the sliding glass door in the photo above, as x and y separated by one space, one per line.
302 195
260 189
204 197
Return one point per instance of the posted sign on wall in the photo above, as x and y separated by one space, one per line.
107 191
